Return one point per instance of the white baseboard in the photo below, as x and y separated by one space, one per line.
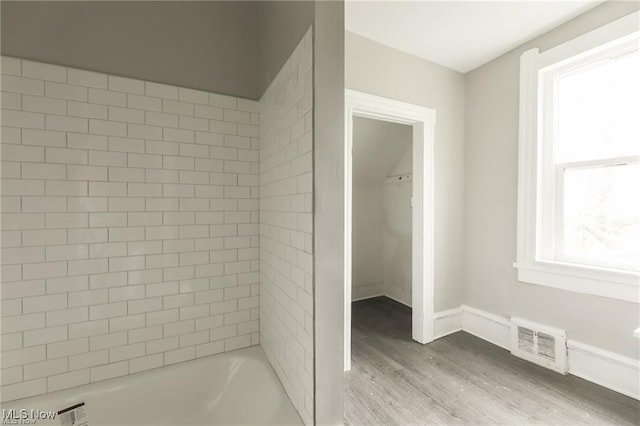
487 326
447 322
607 369
408 305
372 294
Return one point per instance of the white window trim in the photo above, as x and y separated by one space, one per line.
611 283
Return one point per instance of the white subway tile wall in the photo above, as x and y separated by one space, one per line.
286 226
130 234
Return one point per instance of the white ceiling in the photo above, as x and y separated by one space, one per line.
461 35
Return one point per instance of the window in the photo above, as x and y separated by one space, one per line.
579 165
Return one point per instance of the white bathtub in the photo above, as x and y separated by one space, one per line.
238 387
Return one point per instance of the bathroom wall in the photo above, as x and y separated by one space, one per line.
286 227
129 226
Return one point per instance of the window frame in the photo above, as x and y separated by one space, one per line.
539 188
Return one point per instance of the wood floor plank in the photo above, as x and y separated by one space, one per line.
461 380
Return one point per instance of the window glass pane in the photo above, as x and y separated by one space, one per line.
602 216
598 110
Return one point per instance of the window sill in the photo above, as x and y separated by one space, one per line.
599 282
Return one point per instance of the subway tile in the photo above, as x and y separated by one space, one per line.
111 279
107 341
67 284
144 102
11 290
43 138
104 158
66 220
29 120
126 115
86 141
86 173
106 97
66 156
86 78
176 107
67 380
45 335
128 85
27 86
208 112
87 235
11 66
193 96
11 256
223 101
65 188
88 360
161 90
42 104
178 135
118 294
34 271
122 353
11 375
144 132
11 358
90 266
65 91
112 188
67 316
45 368
11 273
87 110
88 298
179 355
211 348
107 128
161 119
11 100
162 345
126 145
145 363
24 389
107 189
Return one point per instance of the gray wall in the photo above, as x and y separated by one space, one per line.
328 208
378 147
210 45
491 158
282 25
381 70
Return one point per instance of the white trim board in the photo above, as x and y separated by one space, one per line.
382 295
447 322
610 370
423 122
536 261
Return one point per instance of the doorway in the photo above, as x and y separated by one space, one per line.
422 123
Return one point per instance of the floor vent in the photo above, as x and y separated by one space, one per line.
542 345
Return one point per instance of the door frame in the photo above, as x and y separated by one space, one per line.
422 120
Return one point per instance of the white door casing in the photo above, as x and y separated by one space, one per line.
423 122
